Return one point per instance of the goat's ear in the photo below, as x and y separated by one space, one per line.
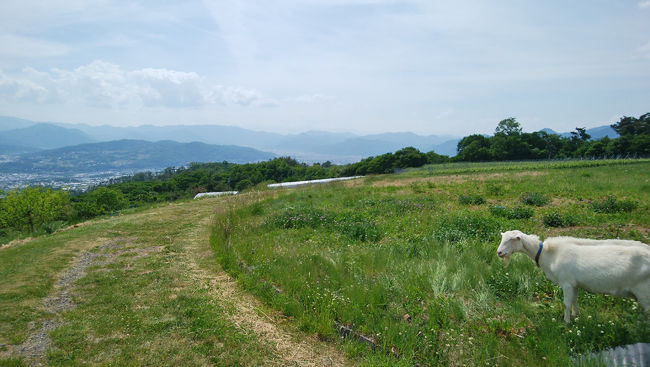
518 237
502 233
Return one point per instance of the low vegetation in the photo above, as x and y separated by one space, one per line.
412 269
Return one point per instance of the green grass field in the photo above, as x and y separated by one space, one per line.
409 261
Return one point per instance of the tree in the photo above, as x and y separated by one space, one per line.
474 148
409 157
508 127
633 126
580 134
32 207
107 200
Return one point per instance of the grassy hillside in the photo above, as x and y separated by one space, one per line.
408 262
404 264
141 288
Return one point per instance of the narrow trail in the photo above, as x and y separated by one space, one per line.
186 226
294 348
34 349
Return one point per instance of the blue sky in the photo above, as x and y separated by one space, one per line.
364 66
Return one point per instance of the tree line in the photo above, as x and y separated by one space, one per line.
510 143
40 209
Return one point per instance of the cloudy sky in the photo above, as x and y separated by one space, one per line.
364 66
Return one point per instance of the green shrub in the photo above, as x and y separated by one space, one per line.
471 199
556 219
612 205
299 218
353 225
454 228
356 226
534 198
511 213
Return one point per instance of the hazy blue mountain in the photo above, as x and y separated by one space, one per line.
601 132
407 139
595 132
446 148
12 123
209 134
305 142
129 155
44 136
311 146
360 147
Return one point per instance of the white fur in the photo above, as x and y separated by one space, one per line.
617 267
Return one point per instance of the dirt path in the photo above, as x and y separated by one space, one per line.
35 348
294 348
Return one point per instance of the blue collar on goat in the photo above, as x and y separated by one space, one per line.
541 246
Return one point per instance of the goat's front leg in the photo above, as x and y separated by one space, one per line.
570 301
574 306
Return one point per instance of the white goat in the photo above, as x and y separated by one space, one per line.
617 267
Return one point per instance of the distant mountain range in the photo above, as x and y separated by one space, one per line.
596 133
20 137
128 155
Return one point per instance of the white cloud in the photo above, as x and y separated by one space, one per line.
644 4
21 89
103 84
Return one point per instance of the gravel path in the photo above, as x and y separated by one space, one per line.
35 348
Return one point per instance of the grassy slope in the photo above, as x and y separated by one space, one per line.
400 260
152 294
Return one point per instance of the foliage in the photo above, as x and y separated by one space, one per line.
627 126
612 205
511 213
432 291
461 226
534 198
389 162
354 225
510 143
471 199
555 219
509 126
31 208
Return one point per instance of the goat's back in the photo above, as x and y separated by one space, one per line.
559 241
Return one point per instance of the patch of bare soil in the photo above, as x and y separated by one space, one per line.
34 349
294 348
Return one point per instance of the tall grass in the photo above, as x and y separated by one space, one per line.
415 270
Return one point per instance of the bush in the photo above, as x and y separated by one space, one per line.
299 218
353 225
556 219
32 207
471 199
511 213
455 228
612 205
534 198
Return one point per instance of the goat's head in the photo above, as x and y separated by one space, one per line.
510 243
